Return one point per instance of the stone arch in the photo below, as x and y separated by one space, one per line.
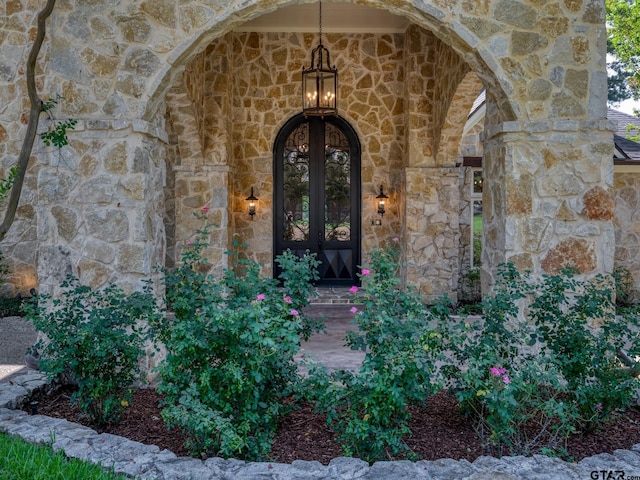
454 122
443 22
511 84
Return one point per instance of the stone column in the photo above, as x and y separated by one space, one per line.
547 200
196 188
432 189
199 105
101 204
432 230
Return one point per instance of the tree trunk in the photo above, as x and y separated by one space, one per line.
34 117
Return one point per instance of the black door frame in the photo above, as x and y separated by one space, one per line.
317 191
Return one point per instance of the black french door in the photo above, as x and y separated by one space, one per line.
317 195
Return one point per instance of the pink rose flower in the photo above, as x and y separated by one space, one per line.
366 271
354 310
287 299
353 289
260 296
294 312
205 208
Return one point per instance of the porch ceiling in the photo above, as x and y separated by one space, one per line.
336 17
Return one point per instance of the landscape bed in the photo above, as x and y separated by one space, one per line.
439 430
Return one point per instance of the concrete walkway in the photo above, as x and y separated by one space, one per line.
16 335
328 347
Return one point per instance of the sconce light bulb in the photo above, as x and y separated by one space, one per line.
252 204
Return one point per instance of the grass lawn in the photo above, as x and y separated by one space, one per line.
20 460
477 225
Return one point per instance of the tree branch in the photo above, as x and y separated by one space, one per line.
632 366
34 117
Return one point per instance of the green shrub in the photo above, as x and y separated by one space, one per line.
518 404
368 409
470 294
514 394
12 307
536 368
624 286
230 351
578 329
477 250
225 375
95 337
541 363
190 286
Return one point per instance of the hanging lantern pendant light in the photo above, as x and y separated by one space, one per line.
320 82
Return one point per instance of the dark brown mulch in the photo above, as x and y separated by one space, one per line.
439 431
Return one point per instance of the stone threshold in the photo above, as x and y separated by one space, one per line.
141 461
330 295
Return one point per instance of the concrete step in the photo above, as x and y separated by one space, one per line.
329 295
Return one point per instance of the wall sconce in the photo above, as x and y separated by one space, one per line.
252 204
381 199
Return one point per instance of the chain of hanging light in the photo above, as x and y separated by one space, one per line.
320 82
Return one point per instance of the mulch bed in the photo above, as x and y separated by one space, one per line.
439 430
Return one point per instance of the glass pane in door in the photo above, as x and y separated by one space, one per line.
296 185
337 185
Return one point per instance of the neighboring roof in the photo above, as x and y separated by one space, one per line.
626 150
623 120
478 102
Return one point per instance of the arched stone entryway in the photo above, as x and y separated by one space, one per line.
547 144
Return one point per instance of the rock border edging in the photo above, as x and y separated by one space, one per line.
142 461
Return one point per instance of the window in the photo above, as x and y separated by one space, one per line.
476 218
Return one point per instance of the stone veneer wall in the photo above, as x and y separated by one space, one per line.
21 243
627 222
92 207
548 145
97 211
465 222
471 144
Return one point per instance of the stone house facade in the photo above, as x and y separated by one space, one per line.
625 192
180 105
